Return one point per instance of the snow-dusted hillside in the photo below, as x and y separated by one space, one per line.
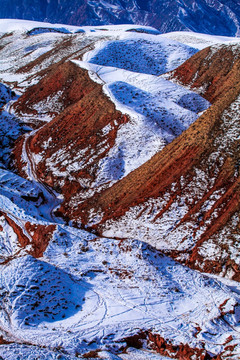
80 119
88 293
159 110
142 53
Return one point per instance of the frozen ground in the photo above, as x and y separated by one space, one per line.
88 293
142 53
28 352
199 41
23 196
159 110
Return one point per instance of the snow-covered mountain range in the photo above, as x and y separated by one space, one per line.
119 193
217 17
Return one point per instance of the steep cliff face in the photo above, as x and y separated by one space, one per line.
206 16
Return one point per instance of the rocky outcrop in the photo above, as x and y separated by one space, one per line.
3 341
41 236
181 352
174 351
211 72
33 235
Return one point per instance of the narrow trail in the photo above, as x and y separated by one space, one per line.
50 197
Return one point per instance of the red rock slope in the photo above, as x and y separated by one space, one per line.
70 147
210 72
184 200
31 235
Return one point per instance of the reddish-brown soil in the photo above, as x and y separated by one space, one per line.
166 348
180 352
22 238
39 235
59 77
4 342
177 159
212 72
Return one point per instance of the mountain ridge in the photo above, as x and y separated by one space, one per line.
80 129
206 16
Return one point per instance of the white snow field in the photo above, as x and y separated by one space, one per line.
88 293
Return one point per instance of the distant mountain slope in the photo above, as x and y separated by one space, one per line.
213 17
